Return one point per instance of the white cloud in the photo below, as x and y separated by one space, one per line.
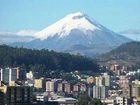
12 37
26 32
6 33
131 32
19 33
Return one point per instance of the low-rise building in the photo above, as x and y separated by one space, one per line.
76 88
114 93
108 101
90 80
41 97
40 84
66 101
121 100
29 75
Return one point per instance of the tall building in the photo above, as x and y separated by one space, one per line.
104 92
103 80
99 81
90 90
21 73
16 95
106 79
1 74
124 84
60 87
96 92
50 86
11 74
100 92
135 89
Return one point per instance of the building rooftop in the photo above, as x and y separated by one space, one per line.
64 99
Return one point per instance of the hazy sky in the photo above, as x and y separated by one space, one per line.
117 15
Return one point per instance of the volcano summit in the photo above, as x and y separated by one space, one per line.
76 33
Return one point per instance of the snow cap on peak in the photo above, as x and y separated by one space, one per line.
63 27
76 15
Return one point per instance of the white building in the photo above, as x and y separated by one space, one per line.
100 92
106 79
67 88
50 86
41 97
135 101
66 101
96 92
29 75
108 101
104 92
1 74
76 88
99 81
121 101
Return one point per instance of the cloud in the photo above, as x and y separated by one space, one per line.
26 32
131 32
20 36
19 33
7 34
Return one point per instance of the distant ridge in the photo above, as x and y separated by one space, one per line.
127 54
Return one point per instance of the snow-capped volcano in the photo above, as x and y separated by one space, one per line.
66 25
77 33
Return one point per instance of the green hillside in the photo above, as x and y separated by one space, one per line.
44 59
128 53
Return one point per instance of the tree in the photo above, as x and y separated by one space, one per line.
95 102
86 100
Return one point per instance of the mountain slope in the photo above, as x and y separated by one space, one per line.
76 30
128 53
